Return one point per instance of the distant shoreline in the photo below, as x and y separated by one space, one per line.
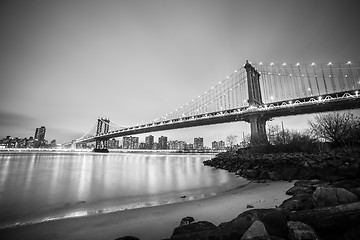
206 151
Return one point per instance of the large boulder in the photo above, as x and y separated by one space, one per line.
273 219
324 197
196 230
256 231
301 231
295 190
298 202
186 221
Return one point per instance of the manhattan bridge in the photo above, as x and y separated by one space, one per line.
255 93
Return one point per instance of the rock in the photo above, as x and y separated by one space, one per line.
298 202
274 176
289 173
273 219
326 173
324 197
304 183
186 221
127 238
300 190
256 231
192 228
347 184
356 191
329 220
301 231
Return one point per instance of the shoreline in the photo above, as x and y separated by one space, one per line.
160 219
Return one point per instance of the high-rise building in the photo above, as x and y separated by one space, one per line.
130 142
215 145
149 141
162 142
40 133
40 136
198 143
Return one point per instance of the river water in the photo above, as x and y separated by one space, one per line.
37 187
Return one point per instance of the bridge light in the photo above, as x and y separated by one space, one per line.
219 82
356 92
284 64
346 75
297 64
329 63
309 89
272 98
290 102
260 63
271 63
313 64
349 62
290 74
227 77
279 74
235 71
319 97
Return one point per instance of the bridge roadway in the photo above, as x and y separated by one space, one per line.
314 104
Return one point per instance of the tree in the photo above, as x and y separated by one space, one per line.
336 128
231 140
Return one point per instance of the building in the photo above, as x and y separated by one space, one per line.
198 143
40 136
149 141
113 143
177 145
220 145
162 142
130 142
40 133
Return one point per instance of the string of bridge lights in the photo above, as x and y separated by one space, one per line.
298 64
164 117
193 101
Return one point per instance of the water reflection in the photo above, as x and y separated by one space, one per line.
43 183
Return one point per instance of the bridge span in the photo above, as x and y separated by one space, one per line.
244 96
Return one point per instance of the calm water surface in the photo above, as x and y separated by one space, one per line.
37 187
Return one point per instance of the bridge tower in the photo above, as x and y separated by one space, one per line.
257 122
102 128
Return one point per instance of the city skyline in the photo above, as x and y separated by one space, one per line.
66 63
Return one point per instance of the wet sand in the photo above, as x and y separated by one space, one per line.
156 222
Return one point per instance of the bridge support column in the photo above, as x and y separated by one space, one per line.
257 122
101 145
258 130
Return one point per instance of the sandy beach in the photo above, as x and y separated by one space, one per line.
156 222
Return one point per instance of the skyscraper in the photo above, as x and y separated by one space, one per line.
149 141
40 133
39 137
130 142
162 142
198 143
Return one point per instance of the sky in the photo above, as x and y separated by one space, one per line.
63 64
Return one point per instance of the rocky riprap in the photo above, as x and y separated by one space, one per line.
316 210
324 202
290 166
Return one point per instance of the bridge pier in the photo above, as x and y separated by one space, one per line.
257 122
258 130
101 145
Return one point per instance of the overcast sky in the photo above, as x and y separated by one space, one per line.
65 63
